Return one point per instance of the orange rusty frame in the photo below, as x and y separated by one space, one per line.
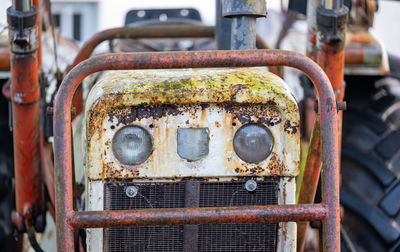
68 220
150 31
25 97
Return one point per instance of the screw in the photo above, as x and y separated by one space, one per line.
250 185
131 191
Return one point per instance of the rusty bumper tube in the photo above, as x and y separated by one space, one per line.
154 31
188 216
135 32
309 184
149 31
65 214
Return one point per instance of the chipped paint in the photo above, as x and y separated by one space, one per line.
287 230
70 220
161 101
95 202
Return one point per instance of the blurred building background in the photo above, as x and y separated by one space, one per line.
79 20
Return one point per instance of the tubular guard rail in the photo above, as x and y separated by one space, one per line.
68 219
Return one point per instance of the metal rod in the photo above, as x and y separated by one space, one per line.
222 28
243 28
37 4
243 33
311 175
167 60
331 58
22 5
25 93
203 215
154 31
312 6
333 4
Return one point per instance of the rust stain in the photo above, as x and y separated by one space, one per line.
276 165
246 113
291 128
241 95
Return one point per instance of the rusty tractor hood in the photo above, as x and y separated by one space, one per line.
163 100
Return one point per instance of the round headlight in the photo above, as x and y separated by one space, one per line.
253 143
132 145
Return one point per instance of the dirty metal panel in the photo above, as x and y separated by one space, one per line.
164 101
95 202
287 231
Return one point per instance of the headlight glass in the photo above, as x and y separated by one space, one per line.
253 143
132 145
193 143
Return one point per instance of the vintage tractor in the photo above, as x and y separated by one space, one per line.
177 151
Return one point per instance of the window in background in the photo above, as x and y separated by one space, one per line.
76 20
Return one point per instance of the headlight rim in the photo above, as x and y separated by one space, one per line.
147 156
269 150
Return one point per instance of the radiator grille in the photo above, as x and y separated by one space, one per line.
211 237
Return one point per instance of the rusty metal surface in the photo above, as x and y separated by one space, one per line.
4 58
25 108
331 35
203 215
364 55
330 45
47 168
123 98
154 31
62 139
310 179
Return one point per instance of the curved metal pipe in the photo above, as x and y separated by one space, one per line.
167 60
155 31
136 32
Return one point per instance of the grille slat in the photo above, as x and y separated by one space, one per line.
211 237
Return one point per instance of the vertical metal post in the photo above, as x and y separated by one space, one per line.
222 28
333 4
311 175
25 94
243 14
243 33
312 6
36 3
22 5
327 20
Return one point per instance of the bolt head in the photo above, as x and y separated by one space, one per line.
131 191
250 185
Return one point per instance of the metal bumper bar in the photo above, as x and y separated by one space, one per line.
204 215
